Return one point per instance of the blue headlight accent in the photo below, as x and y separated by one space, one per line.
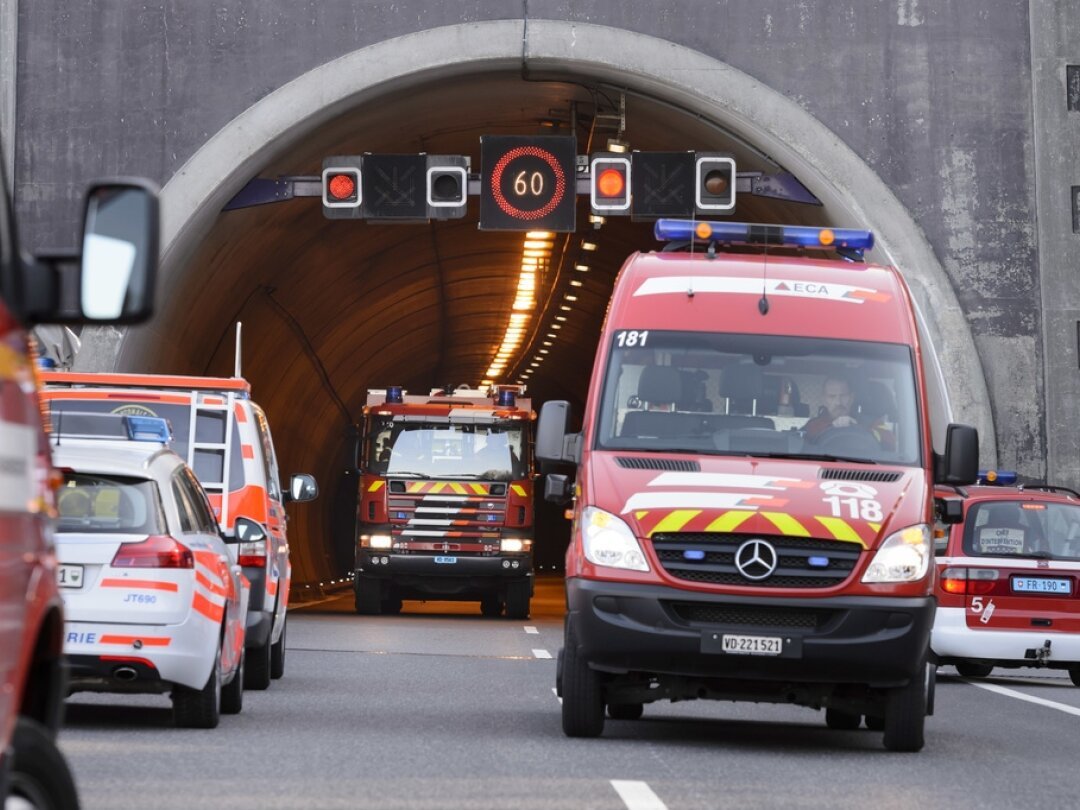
743 233
148 429
395 394
818 562
401 515
694 554
1003 478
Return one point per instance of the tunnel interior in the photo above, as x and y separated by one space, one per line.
331 308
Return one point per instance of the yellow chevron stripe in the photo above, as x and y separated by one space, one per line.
786 524
478 489
729 521
458 488
841 530
376 486
640 514
518 489
437 487
875 526
415 486
673 521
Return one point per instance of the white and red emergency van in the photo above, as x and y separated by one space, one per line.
225 438
753 500
109 280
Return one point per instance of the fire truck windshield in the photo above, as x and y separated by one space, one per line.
760 395
492 452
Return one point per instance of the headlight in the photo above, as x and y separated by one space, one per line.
903 557
513 545
609 541
375 541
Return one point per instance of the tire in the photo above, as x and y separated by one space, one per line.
875 723
969 669
199 708
1074 675
257 668
232 694
367 596
518 595
625 711
277 653
491 605
39 774
583 697
391 606
905 714
839 720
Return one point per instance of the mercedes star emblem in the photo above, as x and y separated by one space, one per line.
756 559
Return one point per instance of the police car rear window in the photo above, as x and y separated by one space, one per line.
91 503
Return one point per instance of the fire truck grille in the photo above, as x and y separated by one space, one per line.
801 562
453 513
751 616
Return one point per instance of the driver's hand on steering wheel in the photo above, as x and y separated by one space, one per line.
844 421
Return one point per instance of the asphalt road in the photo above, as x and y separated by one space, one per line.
440 708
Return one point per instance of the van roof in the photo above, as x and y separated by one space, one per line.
162 381
824 297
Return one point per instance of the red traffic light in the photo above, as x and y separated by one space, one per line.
609 189
341 188
611 183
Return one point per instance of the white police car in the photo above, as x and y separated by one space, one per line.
154 600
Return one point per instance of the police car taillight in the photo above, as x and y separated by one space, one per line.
156 551
252 555
968 580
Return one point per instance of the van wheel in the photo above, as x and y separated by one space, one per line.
232 694
518 595
1074 675
970 669
277 652
842 721
582 698
490 605
39 773
199 708
625 711
875 723
257 674
905 714
367 596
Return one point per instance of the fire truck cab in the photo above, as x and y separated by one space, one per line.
753 500
446 500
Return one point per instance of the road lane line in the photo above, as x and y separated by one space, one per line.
555 692
1050 704
541 653
637 795
533 630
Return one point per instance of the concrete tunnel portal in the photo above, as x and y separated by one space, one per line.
331 308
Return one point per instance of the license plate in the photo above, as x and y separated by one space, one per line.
69 576
1042 585
752 645
445 560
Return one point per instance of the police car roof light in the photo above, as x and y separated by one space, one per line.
744 233
148 429
1004 478
395 394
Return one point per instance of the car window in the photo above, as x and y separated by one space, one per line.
188 521
204 513
1023 529
273 481
94 503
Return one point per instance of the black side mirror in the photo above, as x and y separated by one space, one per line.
302 487
246 530
557 488
960 464
553 443
950 510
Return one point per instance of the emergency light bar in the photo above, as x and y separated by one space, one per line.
745 233
1004 478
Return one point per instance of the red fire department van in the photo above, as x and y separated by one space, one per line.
446 500
112 282
753 500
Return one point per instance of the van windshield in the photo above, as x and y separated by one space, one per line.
760 395
494 452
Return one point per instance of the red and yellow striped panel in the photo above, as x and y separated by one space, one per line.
744 521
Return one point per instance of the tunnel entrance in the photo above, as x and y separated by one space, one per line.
332 308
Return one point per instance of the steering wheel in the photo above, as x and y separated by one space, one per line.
848 441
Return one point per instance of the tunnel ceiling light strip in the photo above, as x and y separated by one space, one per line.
575 283
581 268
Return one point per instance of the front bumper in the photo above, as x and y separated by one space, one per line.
953 641
876 642
425 574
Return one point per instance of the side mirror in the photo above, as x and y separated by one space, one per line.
950 510
302 487
960 464
557 488
246 530
553 443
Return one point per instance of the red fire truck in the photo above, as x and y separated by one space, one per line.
754 492
446 500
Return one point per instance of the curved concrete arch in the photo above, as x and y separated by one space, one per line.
686 78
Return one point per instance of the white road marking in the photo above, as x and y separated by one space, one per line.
555 692
637 795
533 630
1050 704
541 653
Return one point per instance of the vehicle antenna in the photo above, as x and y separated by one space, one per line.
236 370
763 303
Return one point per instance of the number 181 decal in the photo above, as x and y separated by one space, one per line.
629 338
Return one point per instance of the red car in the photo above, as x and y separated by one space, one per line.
114 284
1008 582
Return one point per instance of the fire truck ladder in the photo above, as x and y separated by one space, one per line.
207 410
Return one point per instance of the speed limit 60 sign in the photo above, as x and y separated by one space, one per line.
528 183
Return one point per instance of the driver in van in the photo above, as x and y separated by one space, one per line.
835 411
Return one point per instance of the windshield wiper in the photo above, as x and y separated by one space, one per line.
818 457
406 474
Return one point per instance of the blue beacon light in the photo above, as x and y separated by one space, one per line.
395 394
743 233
